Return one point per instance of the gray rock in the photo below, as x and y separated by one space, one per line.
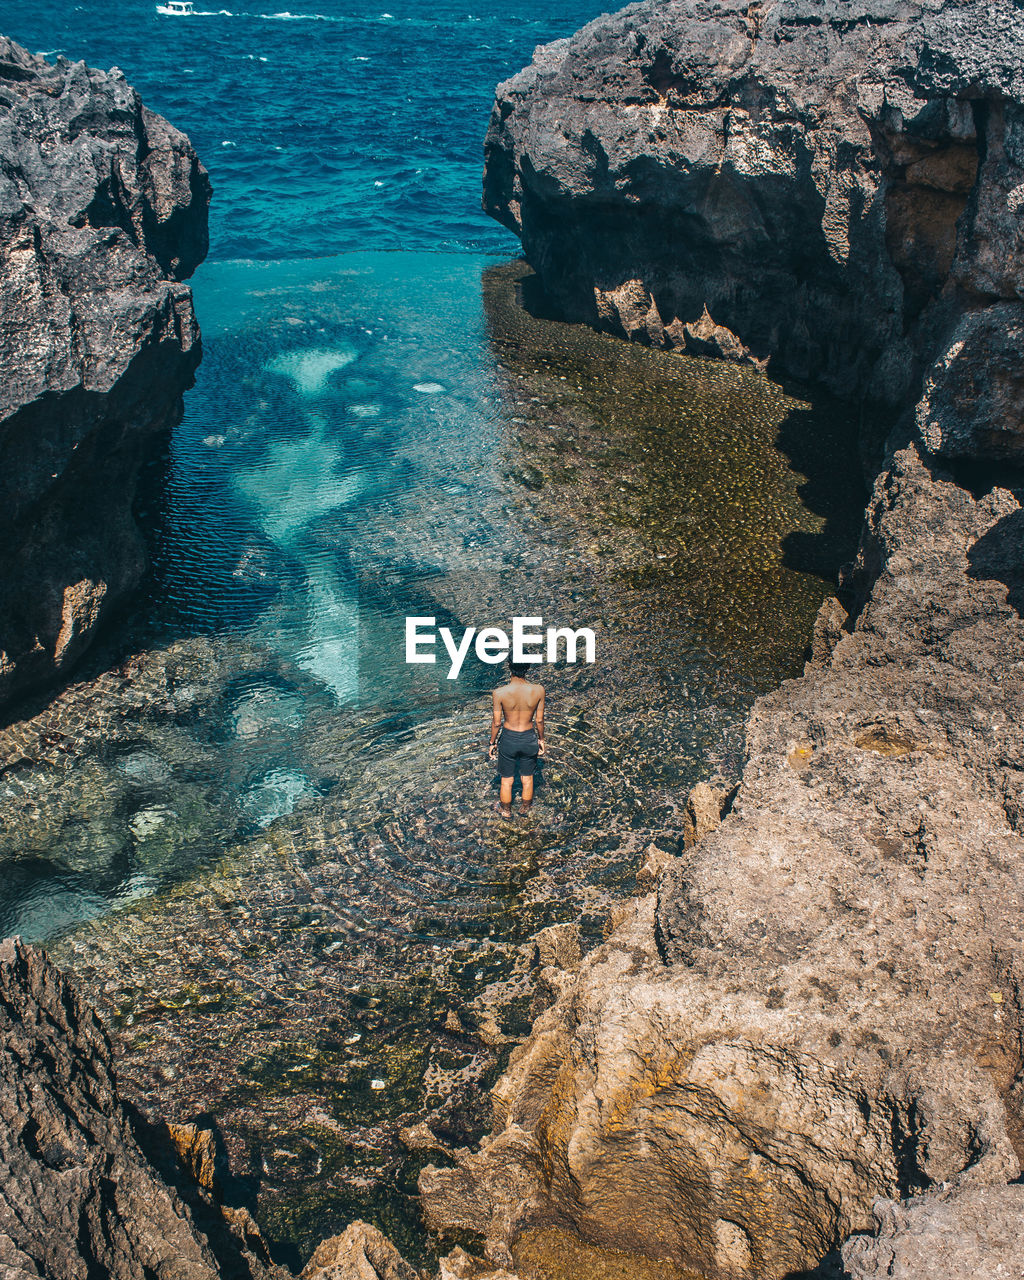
965 1235
77 1196
103 209
973 402
833 182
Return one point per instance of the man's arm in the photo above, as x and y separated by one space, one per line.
492 750
538 719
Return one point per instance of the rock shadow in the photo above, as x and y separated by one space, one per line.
999 555
821 443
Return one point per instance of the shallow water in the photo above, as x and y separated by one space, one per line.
322 928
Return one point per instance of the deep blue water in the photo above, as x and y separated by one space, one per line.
359 126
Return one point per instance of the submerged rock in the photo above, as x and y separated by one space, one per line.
103 211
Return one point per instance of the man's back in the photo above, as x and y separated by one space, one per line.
519 700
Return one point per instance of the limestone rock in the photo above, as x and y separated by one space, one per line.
703 814
77 1196
966 1235
197 1150
459 1265
830 624
558 946
103 209
703 337
361 1252
820 1005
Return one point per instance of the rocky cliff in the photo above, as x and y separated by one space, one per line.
103 210
822 1001
78 1196
87 1188
837 181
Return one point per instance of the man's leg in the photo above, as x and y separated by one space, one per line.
506 796
527 779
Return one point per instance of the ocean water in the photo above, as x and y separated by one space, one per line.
333 127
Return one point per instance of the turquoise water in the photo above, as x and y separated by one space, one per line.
265 845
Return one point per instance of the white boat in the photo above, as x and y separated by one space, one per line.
177 8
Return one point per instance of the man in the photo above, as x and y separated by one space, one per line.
521 703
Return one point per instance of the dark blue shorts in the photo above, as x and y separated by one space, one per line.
517 748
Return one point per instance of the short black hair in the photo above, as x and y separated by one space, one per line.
521 669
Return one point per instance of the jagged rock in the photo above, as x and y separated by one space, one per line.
558 946
77 1196
833 182
103 210
198 1151
973 402
649 873
458 1265
829 625
703 812
361 1252
821 1002
966 1235
703 337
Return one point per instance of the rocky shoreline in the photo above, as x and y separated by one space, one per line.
802 1051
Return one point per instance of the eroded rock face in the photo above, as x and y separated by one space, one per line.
77 1196
830 184
361 1252
103 209
821 1002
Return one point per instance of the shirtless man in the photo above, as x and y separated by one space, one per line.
522 704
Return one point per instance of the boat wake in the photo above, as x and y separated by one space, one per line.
181 9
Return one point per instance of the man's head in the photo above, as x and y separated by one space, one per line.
520 669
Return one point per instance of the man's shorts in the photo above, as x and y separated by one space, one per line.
517 747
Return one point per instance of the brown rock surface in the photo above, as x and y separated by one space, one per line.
822 1002
823 1005
361 1252
102 215
77 1196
